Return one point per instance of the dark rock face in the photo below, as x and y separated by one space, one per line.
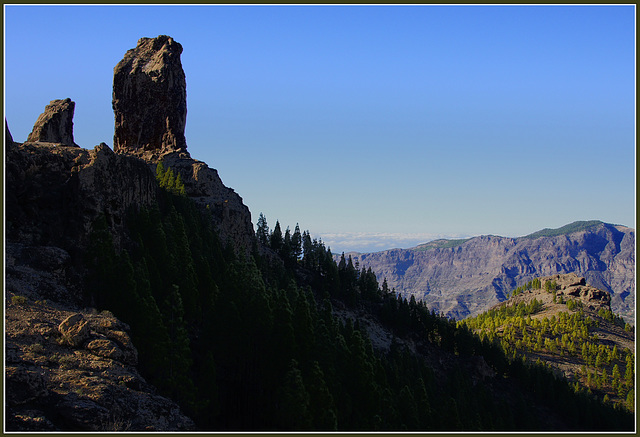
55 194
150 99
55 124
67 368
481 272
230 216
8 138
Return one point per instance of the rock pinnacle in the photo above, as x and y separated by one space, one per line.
150 99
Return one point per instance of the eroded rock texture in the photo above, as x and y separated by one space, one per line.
55 124
150 99
69 370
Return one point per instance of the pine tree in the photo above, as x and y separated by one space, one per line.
293 401
180 188
160 171
276 241
296 242
321 405
615 377
630 400
262 232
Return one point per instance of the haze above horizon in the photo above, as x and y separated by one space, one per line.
369 125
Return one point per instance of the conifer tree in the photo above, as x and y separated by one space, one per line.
293 401
262 232
276 240
296 242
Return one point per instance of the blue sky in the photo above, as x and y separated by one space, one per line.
371 126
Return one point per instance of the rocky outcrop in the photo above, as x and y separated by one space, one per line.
478 273
562 288
230 216
149 102
150 99
68 370
573 286
8 138
55 124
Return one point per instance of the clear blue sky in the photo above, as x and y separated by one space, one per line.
389 125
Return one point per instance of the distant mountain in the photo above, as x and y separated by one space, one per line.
462 278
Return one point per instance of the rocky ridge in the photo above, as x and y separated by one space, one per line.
567 286
69 368
470 276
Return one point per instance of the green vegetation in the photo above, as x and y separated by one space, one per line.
18 300
440 244
567 229
568 334
168 180
251 342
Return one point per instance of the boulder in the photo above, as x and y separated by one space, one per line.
75 330
150 99
103 347
55 124
95 388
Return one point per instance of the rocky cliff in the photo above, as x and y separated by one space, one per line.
467 277
55 193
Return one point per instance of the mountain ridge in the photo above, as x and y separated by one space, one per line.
444 243
465 277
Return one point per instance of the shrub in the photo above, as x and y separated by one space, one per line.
18 300
36 348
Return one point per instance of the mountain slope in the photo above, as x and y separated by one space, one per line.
563 322
465 277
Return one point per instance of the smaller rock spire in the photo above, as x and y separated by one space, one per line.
55 124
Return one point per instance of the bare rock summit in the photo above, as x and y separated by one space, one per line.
150 99
55 124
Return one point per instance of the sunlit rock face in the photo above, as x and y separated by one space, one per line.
150 99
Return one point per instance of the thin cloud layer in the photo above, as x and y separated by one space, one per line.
378 241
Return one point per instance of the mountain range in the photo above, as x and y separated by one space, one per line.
462 278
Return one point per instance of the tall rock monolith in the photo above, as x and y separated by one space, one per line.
55 124
150 99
